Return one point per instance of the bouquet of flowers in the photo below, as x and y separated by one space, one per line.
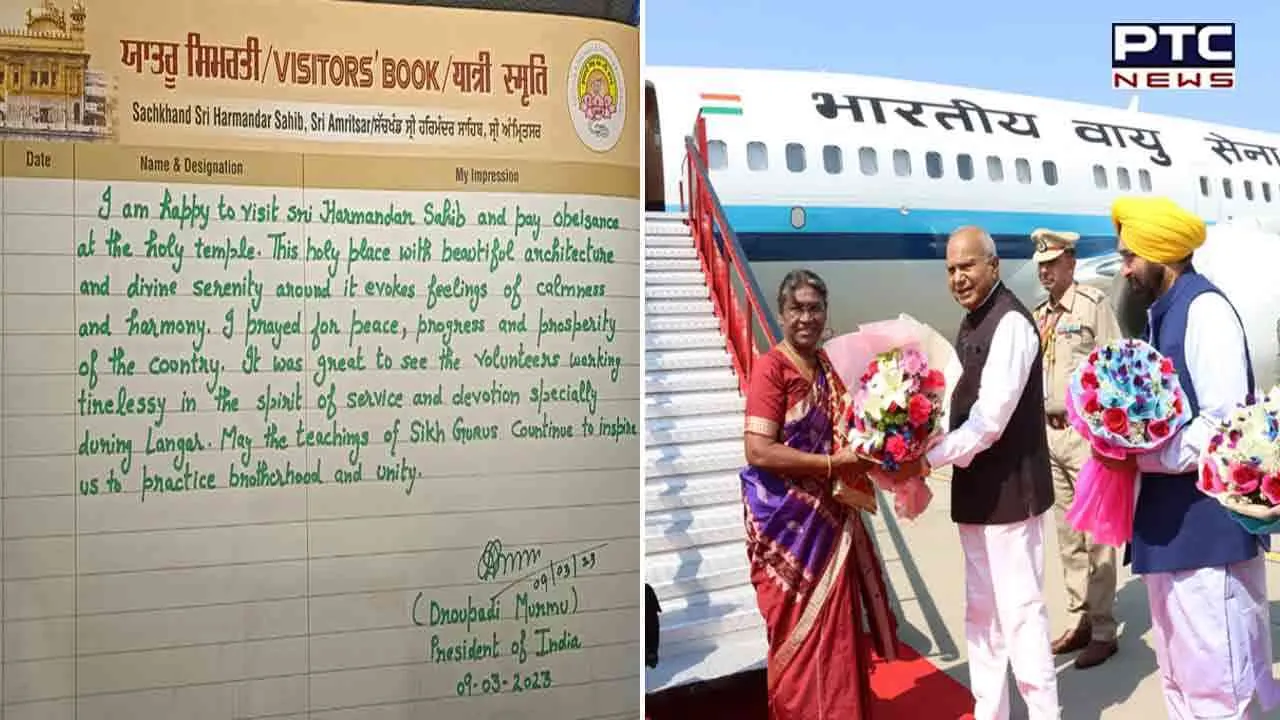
896 410
1125 400
898 372
1240 467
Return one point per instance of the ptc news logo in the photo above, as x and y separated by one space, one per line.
1173 56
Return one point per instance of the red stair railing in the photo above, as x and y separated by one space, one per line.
747 324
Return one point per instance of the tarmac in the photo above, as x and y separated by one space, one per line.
924 564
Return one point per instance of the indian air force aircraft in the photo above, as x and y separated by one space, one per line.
861 179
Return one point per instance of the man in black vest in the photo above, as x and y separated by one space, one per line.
1001 486
1205 574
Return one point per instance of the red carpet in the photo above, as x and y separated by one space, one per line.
912 687
909 688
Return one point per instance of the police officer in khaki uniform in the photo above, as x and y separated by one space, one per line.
1072 321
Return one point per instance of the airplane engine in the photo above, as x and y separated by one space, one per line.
1241 259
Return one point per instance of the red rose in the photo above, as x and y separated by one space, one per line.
1116 420
1093 357
918 409
896 448
1088 380
935 380
1158 429
1246 478
1271 489
1092 406
1166 366
1209 482
1177 405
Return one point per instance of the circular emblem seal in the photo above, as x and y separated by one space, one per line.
597 95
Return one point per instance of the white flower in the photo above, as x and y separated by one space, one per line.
896 387
875 442
876 385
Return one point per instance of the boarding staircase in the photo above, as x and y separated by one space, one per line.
703 327
705 323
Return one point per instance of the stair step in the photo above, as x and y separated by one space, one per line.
690 380
668 241
654 323
708 617
676 277
689 306
684 252
685 528
682 404
687 360
691 458
676 292
684 340
673 264
698 570
693 429
666 226
678 491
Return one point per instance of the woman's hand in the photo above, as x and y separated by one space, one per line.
848 460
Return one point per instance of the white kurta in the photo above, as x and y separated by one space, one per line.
1005 616
1211 626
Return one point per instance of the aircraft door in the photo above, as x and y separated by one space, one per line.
654 183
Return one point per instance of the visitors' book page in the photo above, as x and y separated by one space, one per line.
320 362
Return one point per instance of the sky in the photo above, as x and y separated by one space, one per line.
1059 50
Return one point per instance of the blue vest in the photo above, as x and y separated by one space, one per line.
1175 526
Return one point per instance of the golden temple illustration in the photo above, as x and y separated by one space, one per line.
49 91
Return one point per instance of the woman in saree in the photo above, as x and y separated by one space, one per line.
813 564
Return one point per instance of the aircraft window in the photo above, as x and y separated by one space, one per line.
933 164
832 159
1204 186
1122 178
795 157
995 169
757 156
1144 180
867 161
901 163
1022 169
717 155
1226 187
1248 189
964 166
1050 172
1266 191
1099 177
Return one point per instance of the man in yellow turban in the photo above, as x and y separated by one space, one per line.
1155 235
1205 574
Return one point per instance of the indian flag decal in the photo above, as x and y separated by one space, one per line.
721 104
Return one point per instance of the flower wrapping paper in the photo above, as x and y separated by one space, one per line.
1125 399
